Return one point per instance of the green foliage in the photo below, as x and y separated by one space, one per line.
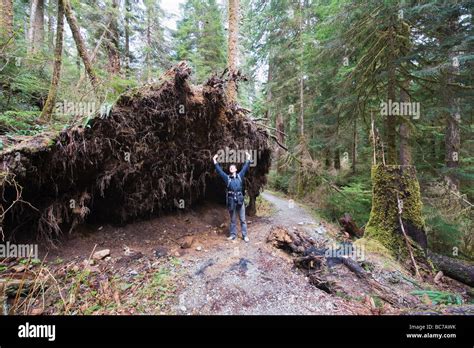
443 235
354 199
20 122
279 182
439 297
200 37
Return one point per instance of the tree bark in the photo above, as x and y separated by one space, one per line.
232 53
36 30
337 152
6 20
30 38
268 113
301 116
148 45
81 47
50 101
127 37
453 134
405 151
404 131
113 66
93 56
390 121
50 38
354 145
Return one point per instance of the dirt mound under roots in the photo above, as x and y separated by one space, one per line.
150 154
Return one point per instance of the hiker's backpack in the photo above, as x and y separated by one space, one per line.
233 200
242 183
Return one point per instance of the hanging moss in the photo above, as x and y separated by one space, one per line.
383 225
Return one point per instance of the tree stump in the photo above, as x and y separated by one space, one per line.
389 183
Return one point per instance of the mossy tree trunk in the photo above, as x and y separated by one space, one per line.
389 183
6 20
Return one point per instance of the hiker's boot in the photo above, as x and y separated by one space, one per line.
246 239
231 238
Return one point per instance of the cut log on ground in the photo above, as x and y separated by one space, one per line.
460 270
152 150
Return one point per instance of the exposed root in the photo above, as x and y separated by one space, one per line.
152 150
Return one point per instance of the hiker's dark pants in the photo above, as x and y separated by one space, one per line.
237 209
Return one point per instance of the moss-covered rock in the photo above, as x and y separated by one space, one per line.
388 182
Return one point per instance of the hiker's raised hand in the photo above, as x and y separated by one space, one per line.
249 157
215 158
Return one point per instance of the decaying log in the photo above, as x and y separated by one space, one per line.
462 271
314 259
292 241
354 267
308 254
308 261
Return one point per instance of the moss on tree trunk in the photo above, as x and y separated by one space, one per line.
388 183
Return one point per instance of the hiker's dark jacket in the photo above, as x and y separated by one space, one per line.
234 185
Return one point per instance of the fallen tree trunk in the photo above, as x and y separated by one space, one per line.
314 258
152 150
462 271
310 254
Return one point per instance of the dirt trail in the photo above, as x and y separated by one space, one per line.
255 278
149 270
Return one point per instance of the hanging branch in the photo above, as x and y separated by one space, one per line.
272 128
275 139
